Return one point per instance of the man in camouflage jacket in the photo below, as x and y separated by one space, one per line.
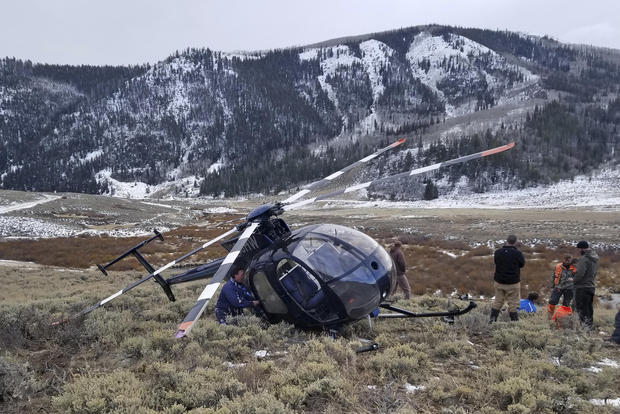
562 283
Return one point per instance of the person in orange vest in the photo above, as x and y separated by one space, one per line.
562 281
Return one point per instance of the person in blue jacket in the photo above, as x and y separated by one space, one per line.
234 297
528 305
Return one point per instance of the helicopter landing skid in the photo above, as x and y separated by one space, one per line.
403 313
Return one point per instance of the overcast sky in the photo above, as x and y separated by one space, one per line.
138 31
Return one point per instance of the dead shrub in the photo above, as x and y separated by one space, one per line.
205 388
401 362
515 336
17 382
253 404
450 349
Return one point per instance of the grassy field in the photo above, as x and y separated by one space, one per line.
124 358
434 264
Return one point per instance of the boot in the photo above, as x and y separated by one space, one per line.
494 315
551 311
514 316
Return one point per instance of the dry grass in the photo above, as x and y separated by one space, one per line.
85 251
123 358
432 265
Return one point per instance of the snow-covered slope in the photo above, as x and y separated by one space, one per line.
200 116
600 191
453 66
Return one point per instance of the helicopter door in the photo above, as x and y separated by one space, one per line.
269 298
300 284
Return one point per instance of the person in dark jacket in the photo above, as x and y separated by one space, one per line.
401 267
562 284
585 279
234 297
507 279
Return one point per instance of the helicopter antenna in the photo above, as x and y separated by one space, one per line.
313 186
213 284
413 172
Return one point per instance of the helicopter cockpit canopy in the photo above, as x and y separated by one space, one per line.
330 257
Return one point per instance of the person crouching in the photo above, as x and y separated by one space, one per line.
234 297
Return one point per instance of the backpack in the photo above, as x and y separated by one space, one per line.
563 317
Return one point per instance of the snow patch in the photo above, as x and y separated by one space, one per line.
26 227
375 57
261 354
309 54
215 167
92 155
219 210
229 364
608 402
23 206
188 186
413 388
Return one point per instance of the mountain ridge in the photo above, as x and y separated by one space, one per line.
201 113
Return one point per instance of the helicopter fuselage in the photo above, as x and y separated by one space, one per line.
321 275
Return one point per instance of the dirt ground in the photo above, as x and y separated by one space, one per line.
80 212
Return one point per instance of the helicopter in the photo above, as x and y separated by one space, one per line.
318 276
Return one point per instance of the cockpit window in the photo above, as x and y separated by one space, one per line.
270 299
300 284
358 239
328 258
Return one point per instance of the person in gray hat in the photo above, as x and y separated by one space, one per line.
585 282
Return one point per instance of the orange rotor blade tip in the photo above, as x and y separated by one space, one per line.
182 329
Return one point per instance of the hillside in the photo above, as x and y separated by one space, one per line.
212 122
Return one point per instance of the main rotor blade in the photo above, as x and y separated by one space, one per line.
144 279
313 186
209 290
416 171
